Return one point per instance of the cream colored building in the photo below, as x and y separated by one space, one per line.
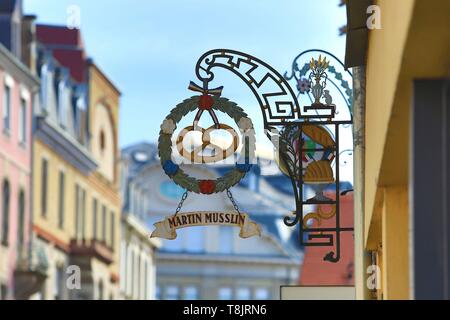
137 262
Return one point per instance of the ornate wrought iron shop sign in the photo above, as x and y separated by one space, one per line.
305 126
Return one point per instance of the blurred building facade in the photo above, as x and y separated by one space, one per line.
18 87
61 164
213 262
103 122
76 216
60 170
402 142
137 249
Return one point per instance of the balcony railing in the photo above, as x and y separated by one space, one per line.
92 248
32 257
31 270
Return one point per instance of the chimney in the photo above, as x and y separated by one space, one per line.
10 25
29 42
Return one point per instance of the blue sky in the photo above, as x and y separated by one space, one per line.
149 48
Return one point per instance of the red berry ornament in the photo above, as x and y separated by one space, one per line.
206 102
206 186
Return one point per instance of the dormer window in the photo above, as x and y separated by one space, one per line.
7 109
140 156
80 116
62 104
44 86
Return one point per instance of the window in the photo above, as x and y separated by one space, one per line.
132 272
83 214
225 293
80 212
145 295
77 211
81 120
190 293
5 210
112 231
123 267
104 223
138 278
7 109
44 182
44 86
243 294
62 114
61 200
94 219
59 283
23 121
102 141
21 226
262 294
172 293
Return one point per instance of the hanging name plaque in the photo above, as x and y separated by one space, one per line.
167 228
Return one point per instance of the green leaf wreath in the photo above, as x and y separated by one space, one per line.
206 186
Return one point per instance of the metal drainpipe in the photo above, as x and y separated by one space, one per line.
362 257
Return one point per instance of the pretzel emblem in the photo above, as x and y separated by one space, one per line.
197 154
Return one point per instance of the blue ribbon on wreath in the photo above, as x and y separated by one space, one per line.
170 168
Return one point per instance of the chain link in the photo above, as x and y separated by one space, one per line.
235 206
180 205
229 194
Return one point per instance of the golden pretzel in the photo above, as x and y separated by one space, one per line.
218 155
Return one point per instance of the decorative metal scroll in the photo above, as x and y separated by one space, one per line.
274 94
305 130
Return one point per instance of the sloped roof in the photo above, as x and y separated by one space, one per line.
54 35
66 46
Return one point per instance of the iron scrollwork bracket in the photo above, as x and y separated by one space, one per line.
299 132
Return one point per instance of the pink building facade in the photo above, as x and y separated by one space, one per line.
18 87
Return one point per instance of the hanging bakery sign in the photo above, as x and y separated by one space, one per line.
209 101
167 228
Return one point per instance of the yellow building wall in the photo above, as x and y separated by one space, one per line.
413 43
395 247
97 186
48 224
103 93
384 59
